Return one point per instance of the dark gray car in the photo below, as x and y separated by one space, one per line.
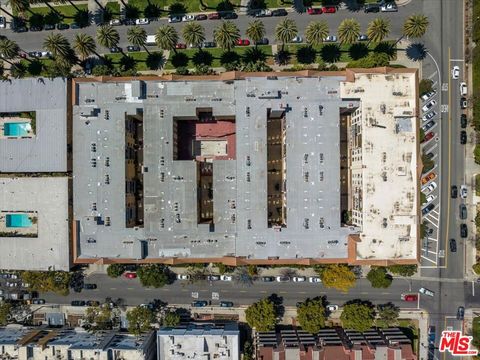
463 211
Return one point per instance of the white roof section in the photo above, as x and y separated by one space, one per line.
47 151
48 196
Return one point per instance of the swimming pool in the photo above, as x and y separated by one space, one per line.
18 221
16 129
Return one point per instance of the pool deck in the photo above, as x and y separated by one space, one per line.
30 231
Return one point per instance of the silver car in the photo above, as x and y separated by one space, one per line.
425 291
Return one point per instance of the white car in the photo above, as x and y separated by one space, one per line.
186 18
463 89
428 189
429 116
391 7
183 277
297 39
463 192
330 38
430 198
142 21
425 291
226 277
115 22
455 72
282 278
299 279
332 307
428 106
428 95
3 22
314 279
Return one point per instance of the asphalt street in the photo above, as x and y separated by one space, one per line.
32 41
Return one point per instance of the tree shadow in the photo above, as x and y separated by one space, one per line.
225 5
358 51
282 57
131 12
360 302
35 67
253 55
416 52
177 8
179 59
278 302
230 60
82 18
152 11
306 55
36 20
202 58
127 63
52 18
257 5
386 48
330 53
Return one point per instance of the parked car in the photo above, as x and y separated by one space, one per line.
314 11
463 121
226 277
199 303
371 8
463 231
455 72
279 12
183 277
75 26
92 303
3 22
130 275
428 95
38 301
63 26
429 177
49 27
209 44
213 277
115 22
263 13
428 189
314 279
201 17
463 103
243 42
428 106
20 29
187 18
227 304
453 245
267 278
297 39
409 297
299 279
463 211
427 209
89 286
362 37
329 9
142 21
174 19
463 191
426 291
180 46
429 199
231 15
214 16
263 41
133 48
429 115
36 28
129 22
78 303
430 155
332 307
330 38
429 136
463 89
428 125
282 278
454 191
389 7
460 313
463 137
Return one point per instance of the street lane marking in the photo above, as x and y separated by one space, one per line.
457 59
449 156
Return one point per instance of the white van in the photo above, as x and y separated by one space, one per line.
151 40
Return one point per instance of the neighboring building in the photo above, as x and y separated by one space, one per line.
199 342
247 168
334 344
42 344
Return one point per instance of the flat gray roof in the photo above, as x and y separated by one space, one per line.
47 151
312 145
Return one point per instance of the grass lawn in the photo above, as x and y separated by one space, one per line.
68 11
114 8
45 63
476 332
139 57
190 5
286 3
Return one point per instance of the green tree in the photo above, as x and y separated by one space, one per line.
379 278
403 270
248 351
424 86
357 316
255 31
226 35
84 45
166 38
45 281
262 315
140 320
98 318
194 34
337 276
155 275
171 319
108 36
378 29
8 49
388 314
370 61
58 45
137 36
285 31
315 32
19 6
115 270
415 26
348 31
5 309
311 315
476 268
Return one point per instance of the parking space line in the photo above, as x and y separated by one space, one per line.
423 257
432 252
432 239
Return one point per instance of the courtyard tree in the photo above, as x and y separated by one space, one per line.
140 320
311 315
357 316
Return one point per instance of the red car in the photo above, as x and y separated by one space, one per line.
409 297
214 16
329 9
428 137
243 42
314 11
130 275
180 46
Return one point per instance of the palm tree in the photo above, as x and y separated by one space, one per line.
84 45
226 35
415 26
285 31
8 50
19 6
315 32
378 30
58 45
193 34
255 31
108 36
167 38
137 36
348 31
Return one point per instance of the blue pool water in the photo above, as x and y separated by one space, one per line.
16 129
18 221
